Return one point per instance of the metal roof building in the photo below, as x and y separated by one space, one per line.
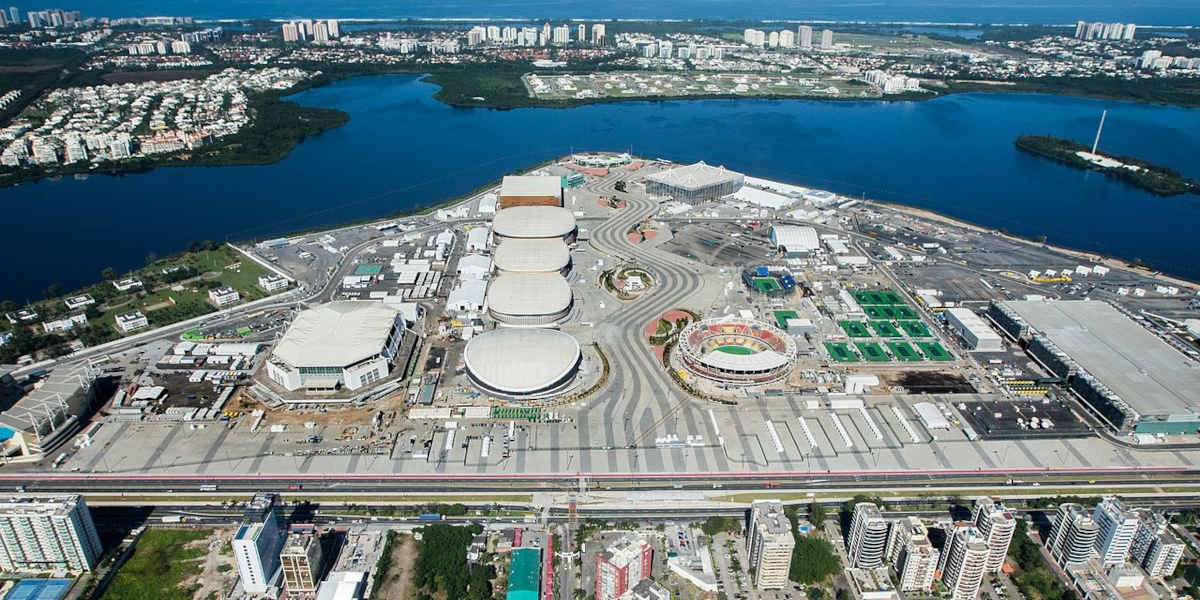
529 299
978 336
530 190
348 343
534 255
795 240
694 183
522 363
534 222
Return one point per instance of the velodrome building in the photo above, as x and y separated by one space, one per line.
529 299
346 344
532 255
525 222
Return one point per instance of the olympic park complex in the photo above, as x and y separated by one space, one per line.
735 351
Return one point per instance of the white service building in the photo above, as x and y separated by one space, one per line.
340 344
794 240
975 333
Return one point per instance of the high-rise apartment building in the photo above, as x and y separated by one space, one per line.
1117 530
47 534
868 537
964 560
912 555
621 566
827 39
598 33
997 525
257 543
321 31
804 36
1072 536
770 542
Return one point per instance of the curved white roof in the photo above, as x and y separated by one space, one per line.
795 238
759 361
531 255
336 334
533 222
529 294
695 176
521 361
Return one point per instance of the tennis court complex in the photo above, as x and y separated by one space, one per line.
766 284
878 297
872 352
855 329
915 329
782 316
840 352
895 313
934 351
904 352
885 329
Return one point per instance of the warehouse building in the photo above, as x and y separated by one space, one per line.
530 190
533 255
1125 374
694 184
347 344
794 241
521 222
529 299
976 335
526 363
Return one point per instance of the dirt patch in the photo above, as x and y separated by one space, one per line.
397 583
932 382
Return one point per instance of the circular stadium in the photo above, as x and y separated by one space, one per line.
521 222
529 299
522 364
532 255
735 351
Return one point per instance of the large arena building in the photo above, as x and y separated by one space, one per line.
531 190
733 351
523 363
1125 374
532 255
529 299
347 344
694 184
523 222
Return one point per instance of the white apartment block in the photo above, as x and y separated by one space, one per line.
770 543
272 282
223 296
46 534
868 537
965 561
912 554
997 525
132 321
1117 530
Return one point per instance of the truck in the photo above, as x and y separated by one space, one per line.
172 519
429 517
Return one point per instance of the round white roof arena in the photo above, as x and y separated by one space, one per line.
529 294
532 255
533 222
522 363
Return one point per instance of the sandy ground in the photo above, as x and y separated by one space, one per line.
213 581
399 584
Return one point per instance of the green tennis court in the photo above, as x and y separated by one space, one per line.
735 350
915 329
840 352
897 313
872 352
878 297
766 284
903 352
934 351
855 329
902 312
782 316
885 329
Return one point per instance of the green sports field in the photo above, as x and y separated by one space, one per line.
934 351
878 297
885 329
840 352
735 350
782 316
766 284
872 352
898 313
915 329
904 352
855 329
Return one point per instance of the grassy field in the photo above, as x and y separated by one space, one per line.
162 561
840 352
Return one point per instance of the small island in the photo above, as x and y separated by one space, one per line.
1156 179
